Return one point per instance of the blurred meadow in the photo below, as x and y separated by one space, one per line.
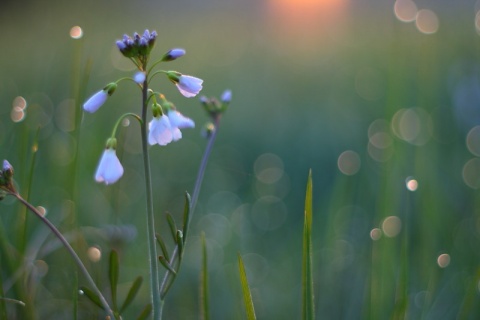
381 99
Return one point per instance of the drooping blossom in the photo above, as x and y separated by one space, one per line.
187 85
109 168
160 131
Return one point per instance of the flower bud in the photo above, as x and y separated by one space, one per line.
226 96
173 54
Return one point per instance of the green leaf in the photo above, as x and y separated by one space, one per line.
179 240
145 312
162 245
166 264
92 296
172 225
205 311
113 273
247 297
132 293
186 215
308 307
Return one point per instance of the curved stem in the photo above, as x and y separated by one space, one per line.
70 250
155 73
152 249
114 131
196 191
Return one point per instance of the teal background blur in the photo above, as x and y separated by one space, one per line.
367 101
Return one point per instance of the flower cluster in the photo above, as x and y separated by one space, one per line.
213 106
137 46
167 121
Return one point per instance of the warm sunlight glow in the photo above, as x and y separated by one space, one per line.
302 28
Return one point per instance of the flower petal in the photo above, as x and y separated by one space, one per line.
160 131
179 120
189 86
109 168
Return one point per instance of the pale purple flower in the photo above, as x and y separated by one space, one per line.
178 121
109 168
189 86
95 101
226 96
139 77
160 131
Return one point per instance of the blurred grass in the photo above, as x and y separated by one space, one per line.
305 105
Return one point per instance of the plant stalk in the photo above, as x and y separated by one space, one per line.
70 250
196 191
152 250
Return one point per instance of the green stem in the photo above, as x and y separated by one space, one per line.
196 191
152 249
70 250
114 131
155 73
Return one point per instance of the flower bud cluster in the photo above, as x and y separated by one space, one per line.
215 107
137 46
6 179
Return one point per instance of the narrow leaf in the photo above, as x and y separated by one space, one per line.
247 296
179 240
166 264
172 225
113 273
308 307
92 296
145 312
132 293
205 311
162 245
186 215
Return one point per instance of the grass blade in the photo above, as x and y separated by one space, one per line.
113 273
205 311
308 307
132 293
247 297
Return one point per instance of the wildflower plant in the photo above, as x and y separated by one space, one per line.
161 127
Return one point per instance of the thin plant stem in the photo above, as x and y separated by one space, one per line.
70 250
196 191
152 249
